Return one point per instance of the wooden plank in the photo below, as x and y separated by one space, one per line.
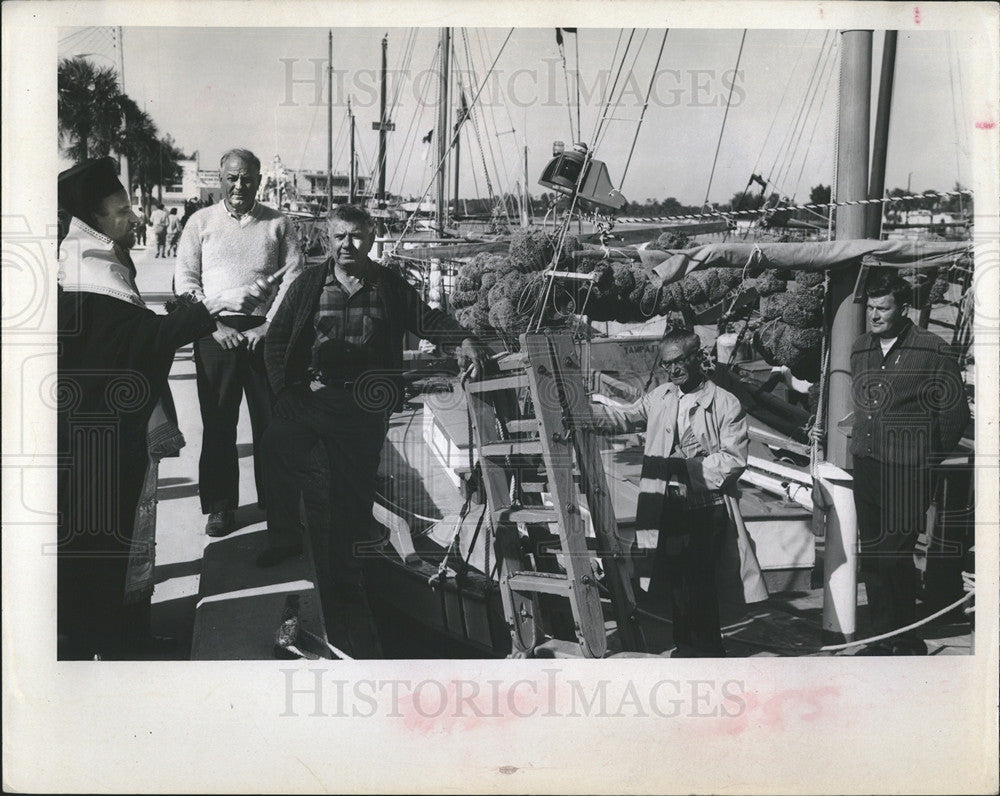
593 482
514 382
526 514
539 582
519 608
495 479
557 453
522 426
523 447
512 361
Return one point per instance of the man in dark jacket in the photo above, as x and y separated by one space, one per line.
334 357
910 412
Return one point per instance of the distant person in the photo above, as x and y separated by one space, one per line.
158 219
191 206
173 232
114 356
141 222
910 412
232 243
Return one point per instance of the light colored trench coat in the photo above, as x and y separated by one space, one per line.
719 423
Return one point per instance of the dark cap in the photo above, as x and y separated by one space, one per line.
82 187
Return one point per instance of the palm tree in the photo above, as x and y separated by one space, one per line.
89 109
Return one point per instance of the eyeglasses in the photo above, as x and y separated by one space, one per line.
667 364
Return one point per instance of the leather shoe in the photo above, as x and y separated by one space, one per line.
220 523
272 556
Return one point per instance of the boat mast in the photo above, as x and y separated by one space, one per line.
457 162
877 187
382 125
442 130
852 185
352 190
329 121
525 207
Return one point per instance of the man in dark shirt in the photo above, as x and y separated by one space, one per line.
334 356
910 412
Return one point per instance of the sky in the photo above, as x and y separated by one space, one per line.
214 88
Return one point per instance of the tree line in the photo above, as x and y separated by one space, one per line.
96 119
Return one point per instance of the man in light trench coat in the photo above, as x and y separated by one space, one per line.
695 451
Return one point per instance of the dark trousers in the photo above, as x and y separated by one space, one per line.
687 553
352 441
891 502
223 378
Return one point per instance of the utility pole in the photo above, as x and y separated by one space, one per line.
123 158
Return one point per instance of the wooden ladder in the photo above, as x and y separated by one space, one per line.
547 374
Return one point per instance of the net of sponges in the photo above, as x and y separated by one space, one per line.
799 349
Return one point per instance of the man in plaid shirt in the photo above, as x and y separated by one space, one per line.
334 358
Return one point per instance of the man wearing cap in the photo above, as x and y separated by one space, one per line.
114 358
232 243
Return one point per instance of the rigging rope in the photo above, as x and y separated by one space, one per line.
576 45
727 214
787 138
599 124
410 139
781 102
617 102
645 104
725 116
812 134
954 114
454 138
781 181
569 102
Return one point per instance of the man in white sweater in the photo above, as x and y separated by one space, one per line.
232 243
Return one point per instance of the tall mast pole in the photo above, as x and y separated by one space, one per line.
382 125
840 584
456 163
352 195
329 121
852 185
525 206
443 137
877 186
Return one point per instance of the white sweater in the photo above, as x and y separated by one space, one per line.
218 252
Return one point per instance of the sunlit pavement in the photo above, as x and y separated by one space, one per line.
180 526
